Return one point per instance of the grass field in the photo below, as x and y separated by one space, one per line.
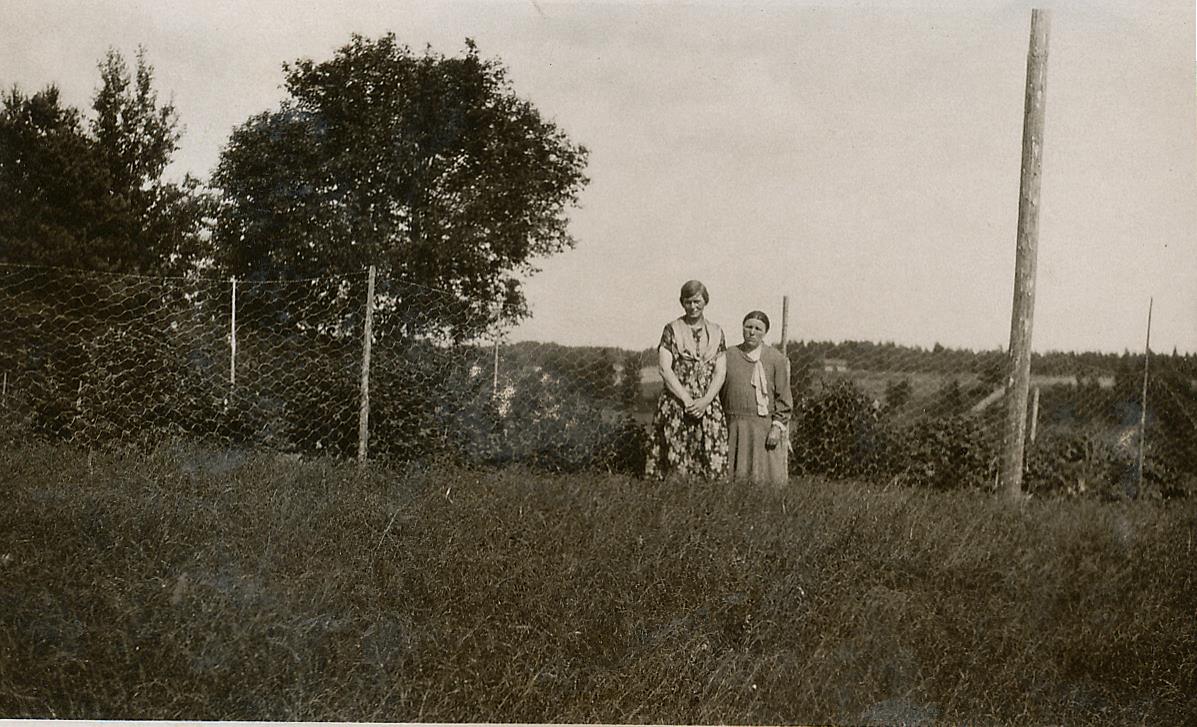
198 584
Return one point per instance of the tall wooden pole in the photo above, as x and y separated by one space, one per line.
363 416
785 322
1143 405
1023 309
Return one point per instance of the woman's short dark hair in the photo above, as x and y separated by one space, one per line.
693 287
760 316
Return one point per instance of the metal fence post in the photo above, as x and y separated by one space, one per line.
1143 406
233 338
494 385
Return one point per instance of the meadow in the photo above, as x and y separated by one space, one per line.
203 584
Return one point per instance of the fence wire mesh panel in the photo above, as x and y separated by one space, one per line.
934 418
106 360
101 360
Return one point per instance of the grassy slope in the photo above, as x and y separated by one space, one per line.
198 585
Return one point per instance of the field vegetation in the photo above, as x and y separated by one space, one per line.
202 584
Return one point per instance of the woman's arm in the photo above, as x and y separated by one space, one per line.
783 398
718 379
783 404
700 404
665 365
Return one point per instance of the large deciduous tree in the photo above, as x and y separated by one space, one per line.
429 167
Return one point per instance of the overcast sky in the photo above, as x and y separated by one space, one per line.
860 157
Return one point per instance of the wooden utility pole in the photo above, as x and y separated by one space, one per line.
1143 406
363 416
785 322
1022 313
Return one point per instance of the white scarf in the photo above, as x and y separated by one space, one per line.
759 382
689 346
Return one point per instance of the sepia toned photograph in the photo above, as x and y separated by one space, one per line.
532 361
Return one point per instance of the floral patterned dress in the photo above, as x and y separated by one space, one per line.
681 444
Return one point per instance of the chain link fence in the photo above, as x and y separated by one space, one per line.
101 360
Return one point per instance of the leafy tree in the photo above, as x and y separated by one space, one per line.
135 134
88 192
163 222
427 166
91 195
53 184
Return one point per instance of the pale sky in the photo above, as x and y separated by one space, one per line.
860 157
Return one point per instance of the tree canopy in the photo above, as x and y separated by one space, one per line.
89 192
429 167
53 188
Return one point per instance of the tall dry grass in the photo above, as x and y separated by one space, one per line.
209 585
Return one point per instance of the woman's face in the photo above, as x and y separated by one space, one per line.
754 332
693 306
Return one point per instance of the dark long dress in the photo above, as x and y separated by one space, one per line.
681 444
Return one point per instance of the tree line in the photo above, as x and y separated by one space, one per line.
429 167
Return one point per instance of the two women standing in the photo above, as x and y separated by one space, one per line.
722 411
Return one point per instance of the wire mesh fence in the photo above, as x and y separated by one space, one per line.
935 417
102 360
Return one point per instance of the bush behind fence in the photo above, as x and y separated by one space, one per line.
101 360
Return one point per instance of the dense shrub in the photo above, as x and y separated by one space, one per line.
1093 463
437 404
122 385
420 394
942 453
841 432
544 422
837 433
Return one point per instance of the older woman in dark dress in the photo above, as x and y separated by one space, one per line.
758 402
689 432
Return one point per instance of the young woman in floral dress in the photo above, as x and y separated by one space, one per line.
689 433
